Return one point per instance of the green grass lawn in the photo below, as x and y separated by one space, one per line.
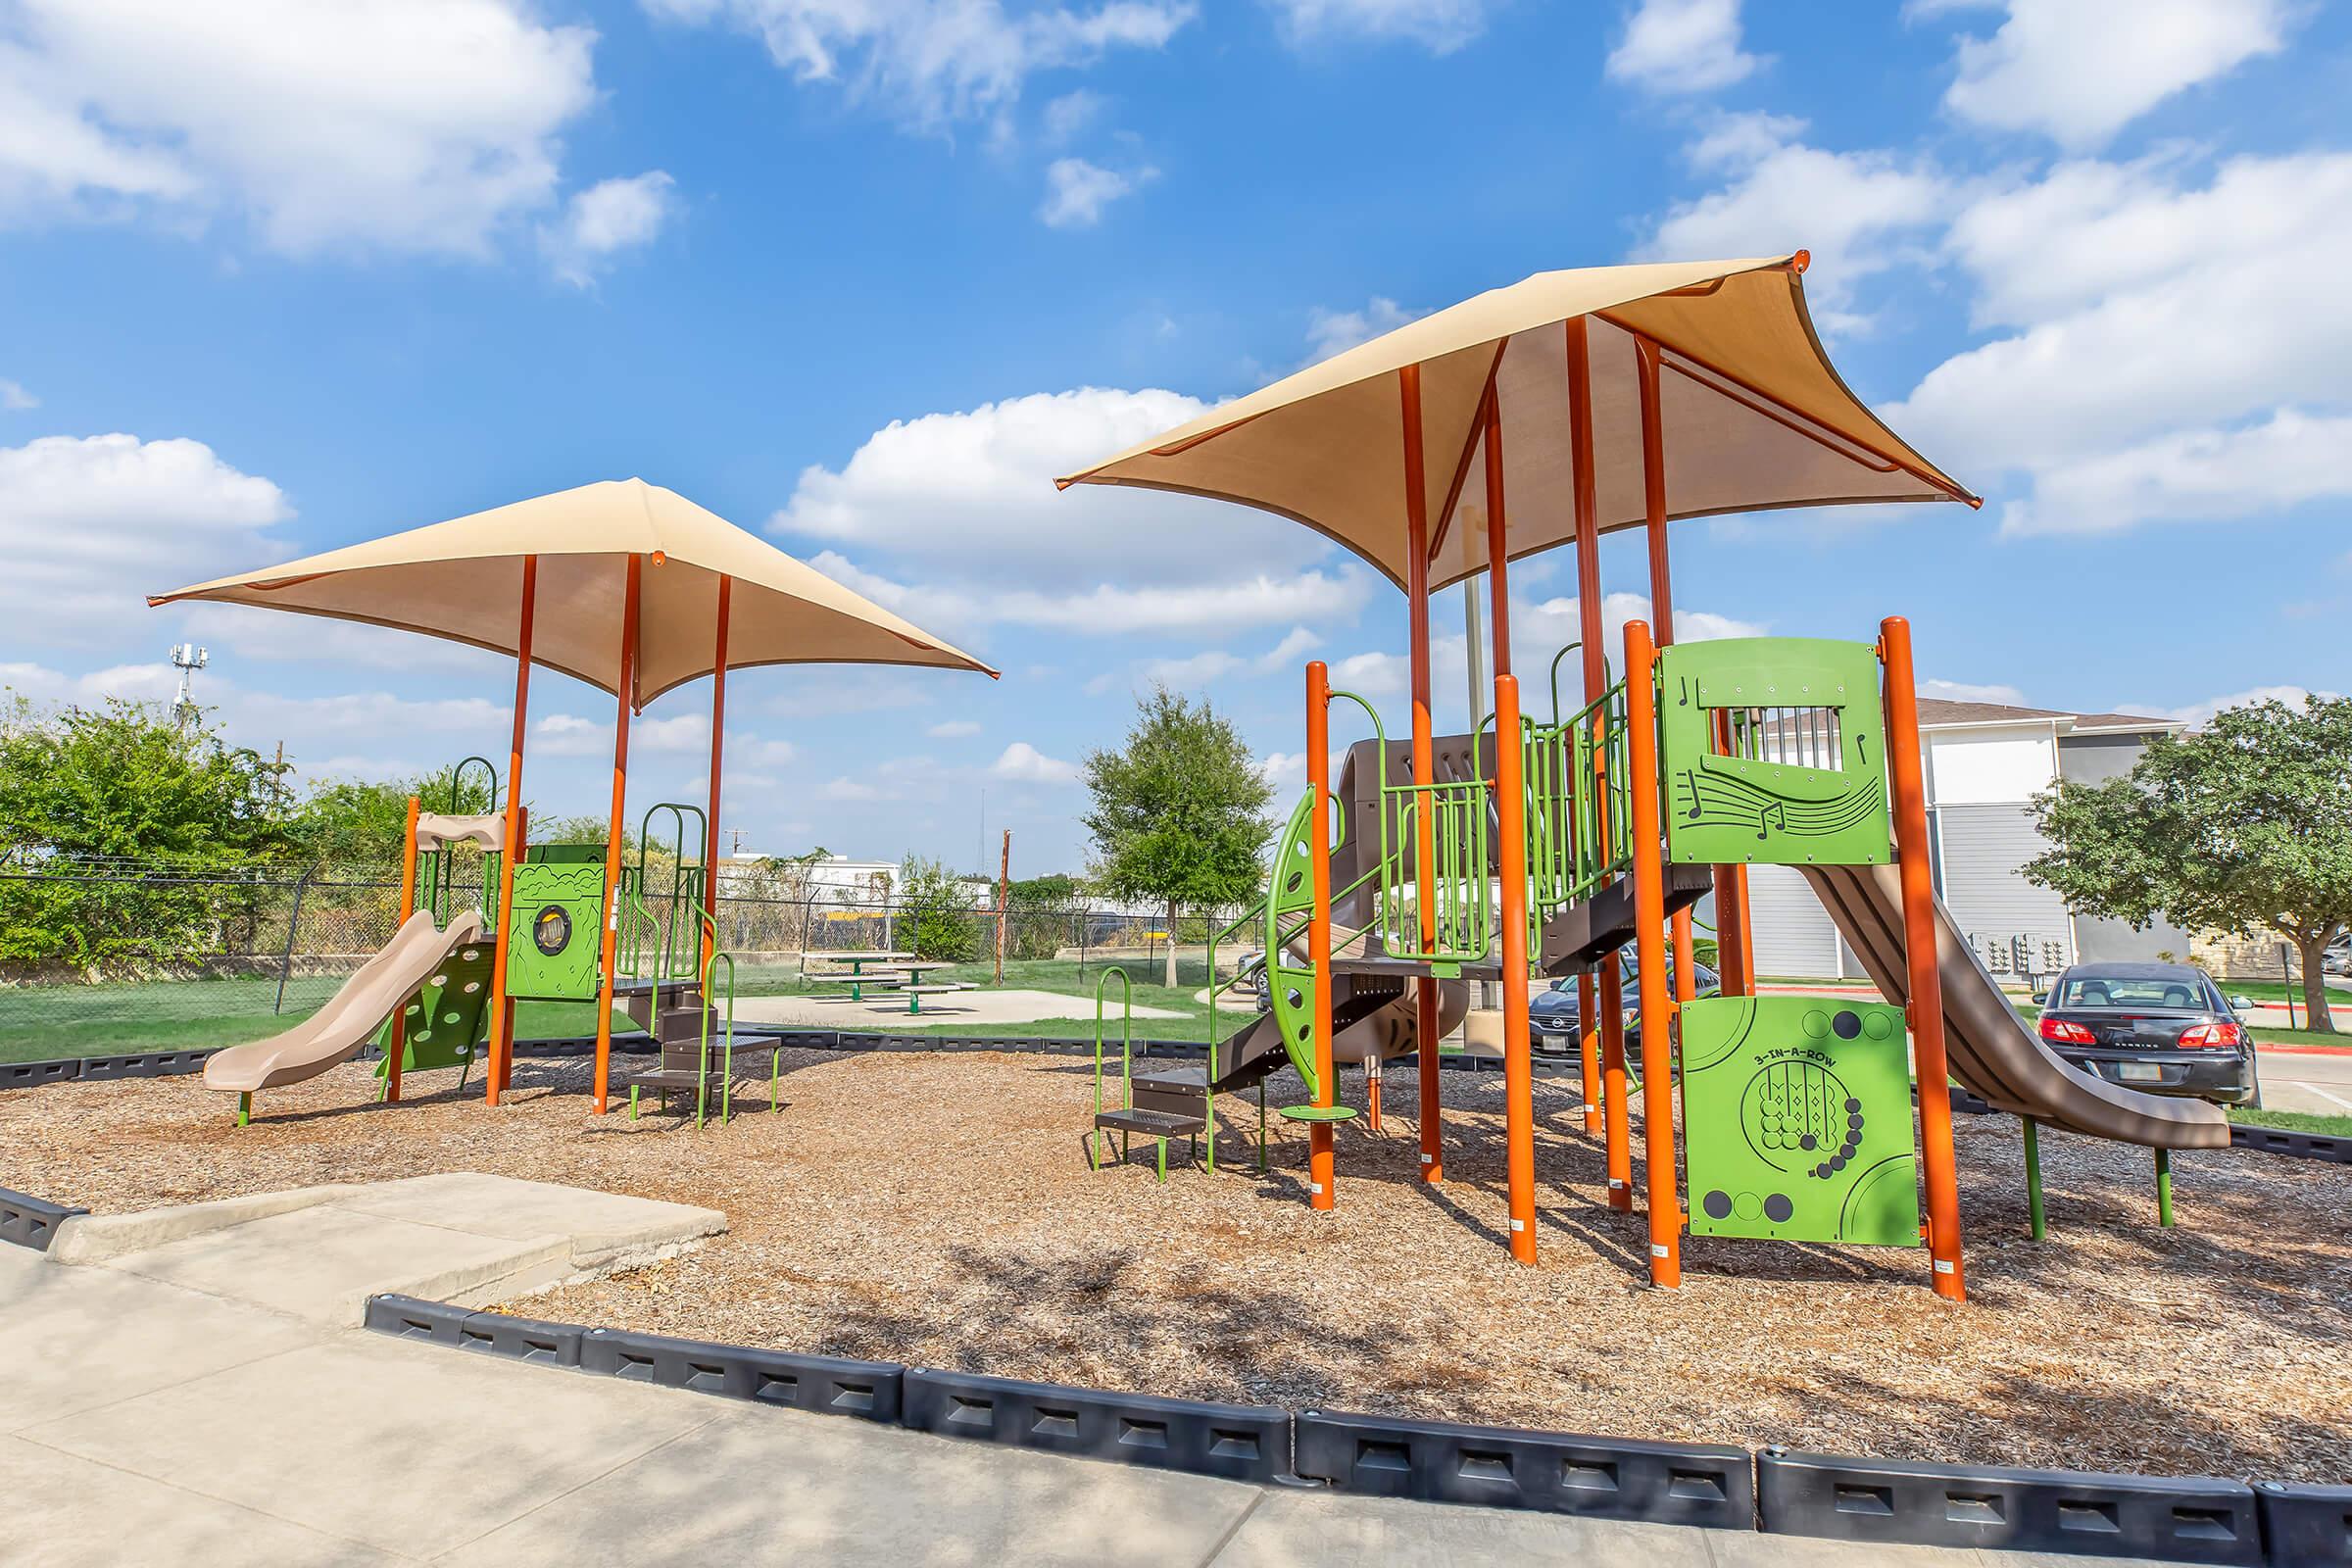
2266 1036
41 1023
2293 1121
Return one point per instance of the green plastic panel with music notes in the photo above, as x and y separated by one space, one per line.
1771 751
1797 1120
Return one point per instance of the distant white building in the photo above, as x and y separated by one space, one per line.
1982 763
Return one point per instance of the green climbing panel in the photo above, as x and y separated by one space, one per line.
555 951
1290 906
444 1021
1771 750
1797 1120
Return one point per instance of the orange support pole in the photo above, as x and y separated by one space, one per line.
1661 593
397 1040
718 732
1649 936
1589 630
621 795
1321 1167
1587 1045
501 1072
1518 1065
1926 1011
1425 821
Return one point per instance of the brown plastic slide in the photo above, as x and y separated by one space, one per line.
349 1020
1995 1053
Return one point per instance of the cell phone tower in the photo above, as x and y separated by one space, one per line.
187 659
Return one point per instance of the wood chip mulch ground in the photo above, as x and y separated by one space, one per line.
933 1208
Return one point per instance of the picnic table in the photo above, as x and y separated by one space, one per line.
858 975
916 990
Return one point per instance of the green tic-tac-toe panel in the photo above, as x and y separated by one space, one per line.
1797 1120
555 948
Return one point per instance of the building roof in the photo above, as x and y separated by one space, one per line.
1937 713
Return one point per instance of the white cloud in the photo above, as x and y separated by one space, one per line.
1540 630
1678 46
2161 322
1439 25
953 730
1961 691
2199 713
607 217
1858 213
967 499
1287 771
850 789
1077 191
14 399
427 126
570 735
1071 114
1330 331
1199 669
929 64
2079 71
1024 762
91 525
2194 475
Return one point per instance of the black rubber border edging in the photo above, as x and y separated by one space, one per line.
28 1221
1887 1503
2306 1527
2281 1141
1236 1441
1554 1472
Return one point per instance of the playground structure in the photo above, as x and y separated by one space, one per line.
644 591
1545 848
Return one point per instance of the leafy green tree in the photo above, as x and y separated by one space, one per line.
2244 826
136 818
935 911
1038 915
1179 811
351 821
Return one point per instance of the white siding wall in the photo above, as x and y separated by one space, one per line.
1793 936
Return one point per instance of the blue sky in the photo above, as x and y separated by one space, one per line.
867 275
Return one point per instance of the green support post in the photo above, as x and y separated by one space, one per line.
2164 1187
2033 1179
245 1107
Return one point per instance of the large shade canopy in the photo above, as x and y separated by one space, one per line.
463 580
1753 418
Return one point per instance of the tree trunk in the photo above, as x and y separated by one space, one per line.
2313 952
1171 944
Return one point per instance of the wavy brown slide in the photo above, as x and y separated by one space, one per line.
349 1020
1995 1053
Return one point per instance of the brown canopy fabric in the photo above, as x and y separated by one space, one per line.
463 580
1754 418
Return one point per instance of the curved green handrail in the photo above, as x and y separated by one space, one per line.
1126 1041
689 876
702 1077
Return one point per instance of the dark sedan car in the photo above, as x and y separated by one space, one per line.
1555 1025
2164 1028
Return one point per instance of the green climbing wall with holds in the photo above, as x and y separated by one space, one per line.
1797 1120
555 949
1771 751
443 1022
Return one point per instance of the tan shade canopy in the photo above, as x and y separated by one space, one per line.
1754 418
463 580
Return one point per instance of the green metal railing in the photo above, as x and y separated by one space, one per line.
1126 1039
666 944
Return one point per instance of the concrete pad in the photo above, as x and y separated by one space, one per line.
1291 1527
775 1486
324 1262
74 1339
882 1011
1757 1550
65 1511
597 1225
406 1447
96 1238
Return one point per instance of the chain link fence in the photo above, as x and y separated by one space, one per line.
99 956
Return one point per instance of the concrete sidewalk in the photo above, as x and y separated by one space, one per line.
204 1399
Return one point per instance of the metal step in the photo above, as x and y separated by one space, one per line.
1582 934
1151 1123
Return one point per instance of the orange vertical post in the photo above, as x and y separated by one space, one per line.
1321 1166
1588 1049
1518 1065
718 734
1925 1013
1510 790
1650 937
397 1038
621 795
1589 630
1661 590
1425 819
501 1072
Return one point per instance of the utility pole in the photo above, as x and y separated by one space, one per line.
1003 888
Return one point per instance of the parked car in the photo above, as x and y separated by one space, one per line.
2162 1028
1554 1023
2337 960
